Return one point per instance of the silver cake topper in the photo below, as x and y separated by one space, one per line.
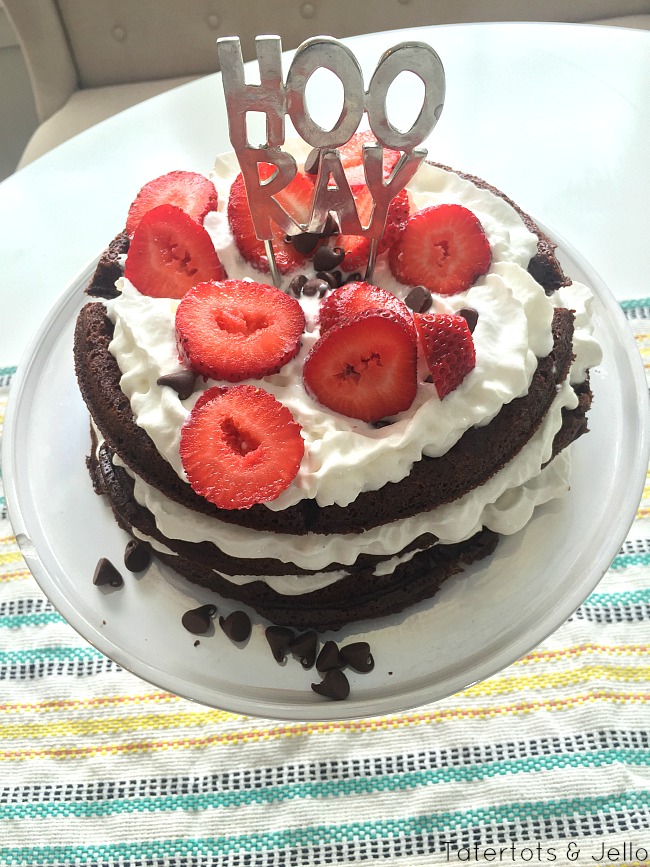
275 98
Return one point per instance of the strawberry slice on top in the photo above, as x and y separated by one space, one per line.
442 247
448 349
364 367
295 198
236 329
351 154
356 297
170 253
357 247
189 191
240 446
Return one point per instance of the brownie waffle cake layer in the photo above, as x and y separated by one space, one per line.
382 508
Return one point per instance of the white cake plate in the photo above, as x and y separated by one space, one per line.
479 622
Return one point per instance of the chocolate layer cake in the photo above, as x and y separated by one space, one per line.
382 510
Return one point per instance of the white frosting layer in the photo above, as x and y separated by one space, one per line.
343 456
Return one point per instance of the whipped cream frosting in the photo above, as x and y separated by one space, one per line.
344 456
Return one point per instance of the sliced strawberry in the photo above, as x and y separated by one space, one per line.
352 298
352 158
365 367
442 247
236 329
448 349
170 253
295 199
189 191
357 248
240 447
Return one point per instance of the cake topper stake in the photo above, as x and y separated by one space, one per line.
275 99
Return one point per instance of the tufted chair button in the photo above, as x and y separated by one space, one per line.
118 33
213 21
307 10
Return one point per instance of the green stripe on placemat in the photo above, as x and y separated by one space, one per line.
355 837
635 302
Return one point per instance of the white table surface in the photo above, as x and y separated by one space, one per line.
555 115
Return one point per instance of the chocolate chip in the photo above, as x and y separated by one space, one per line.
182 382
198 620
418 299
329 278
328 258
312 162
237 625
304 647
305 243
279 639
470 316
297 283
137 556
106 575
354 277
329 657
358 656
383 422
334 685
331 227
315 286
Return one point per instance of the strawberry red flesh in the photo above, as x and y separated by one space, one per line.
189 191
351 154
364 367
240 446
352 298
443 248
170 253
448 348
357 247
236 329
296 200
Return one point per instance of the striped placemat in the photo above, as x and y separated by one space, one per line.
549 760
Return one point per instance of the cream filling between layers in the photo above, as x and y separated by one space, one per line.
504 504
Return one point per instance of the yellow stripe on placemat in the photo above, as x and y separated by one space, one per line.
10 557
289 730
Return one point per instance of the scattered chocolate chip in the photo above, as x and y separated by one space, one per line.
312 162
329 277
315 286
198 620
279 639
304 646
419 299
196 643
354 277
106 575
331 227
237 625
470 316
383 422
305 242
358 656
137 556
334 685
182 382
328 258
297 283
329 657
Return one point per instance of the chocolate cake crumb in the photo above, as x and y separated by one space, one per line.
198 620
304 646
137 556
334 685
106 575
237 626
279 639
329 657
358 656
183 382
